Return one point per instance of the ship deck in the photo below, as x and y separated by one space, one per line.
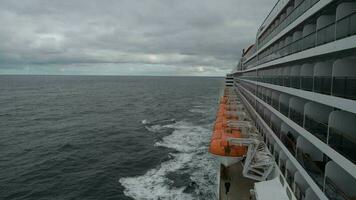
239 185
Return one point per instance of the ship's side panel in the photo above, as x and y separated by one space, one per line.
300 86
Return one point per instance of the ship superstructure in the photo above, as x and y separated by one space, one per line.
297 84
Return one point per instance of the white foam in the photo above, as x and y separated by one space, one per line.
185 138
197 110
190 141
157 126
202 109
153 184
154 128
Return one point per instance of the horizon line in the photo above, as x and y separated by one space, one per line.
217 76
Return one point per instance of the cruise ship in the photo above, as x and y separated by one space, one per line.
286 125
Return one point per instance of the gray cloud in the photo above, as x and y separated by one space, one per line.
155 37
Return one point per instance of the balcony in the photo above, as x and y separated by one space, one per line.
289 141
344 87
322 84
318 129
336 77
318 166
343 143
315 169
334 192
290 15
345 20
339 185
326 28
298 192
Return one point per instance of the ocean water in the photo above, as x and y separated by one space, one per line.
87 137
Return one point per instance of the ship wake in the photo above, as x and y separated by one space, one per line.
189 174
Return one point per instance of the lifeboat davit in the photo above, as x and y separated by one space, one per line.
219 145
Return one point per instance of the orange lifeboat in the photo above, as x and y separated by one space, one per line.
219 144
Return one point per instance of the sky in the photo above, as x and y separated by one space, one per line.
127 37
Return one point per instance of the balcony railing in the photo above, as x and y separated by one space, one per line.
296 116
343 143
284 109
313 169
344 27
318 129
276 157
289 141
306 83
282 166
299 193
295 82
325 34
344 87
298 10
334 192
340 141
289 178
275 104
316 169
322 84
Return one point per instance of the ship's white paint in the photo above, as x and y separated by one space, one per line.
290 157
331 47
340 170
272 15
270 190
333 101
300 19
344 163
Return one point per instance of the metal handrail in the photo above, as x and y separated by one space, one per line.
336 188
272 34
304 48
343 135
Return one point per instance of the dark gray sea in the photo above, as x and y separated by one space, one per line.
92 137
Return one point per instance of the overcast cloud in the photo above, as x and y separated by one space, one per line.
126 37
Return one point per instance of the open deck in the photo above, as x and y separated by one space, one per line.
239 185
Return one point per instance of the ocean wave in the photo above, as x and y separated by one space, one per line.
154 128
190 144
201 109
158 125
145 121
153 184
162 121
186 137
198 110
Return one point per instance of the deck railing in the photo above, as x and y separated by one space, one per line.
297 11
344 87
329 33
334 192
343 143
318 129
